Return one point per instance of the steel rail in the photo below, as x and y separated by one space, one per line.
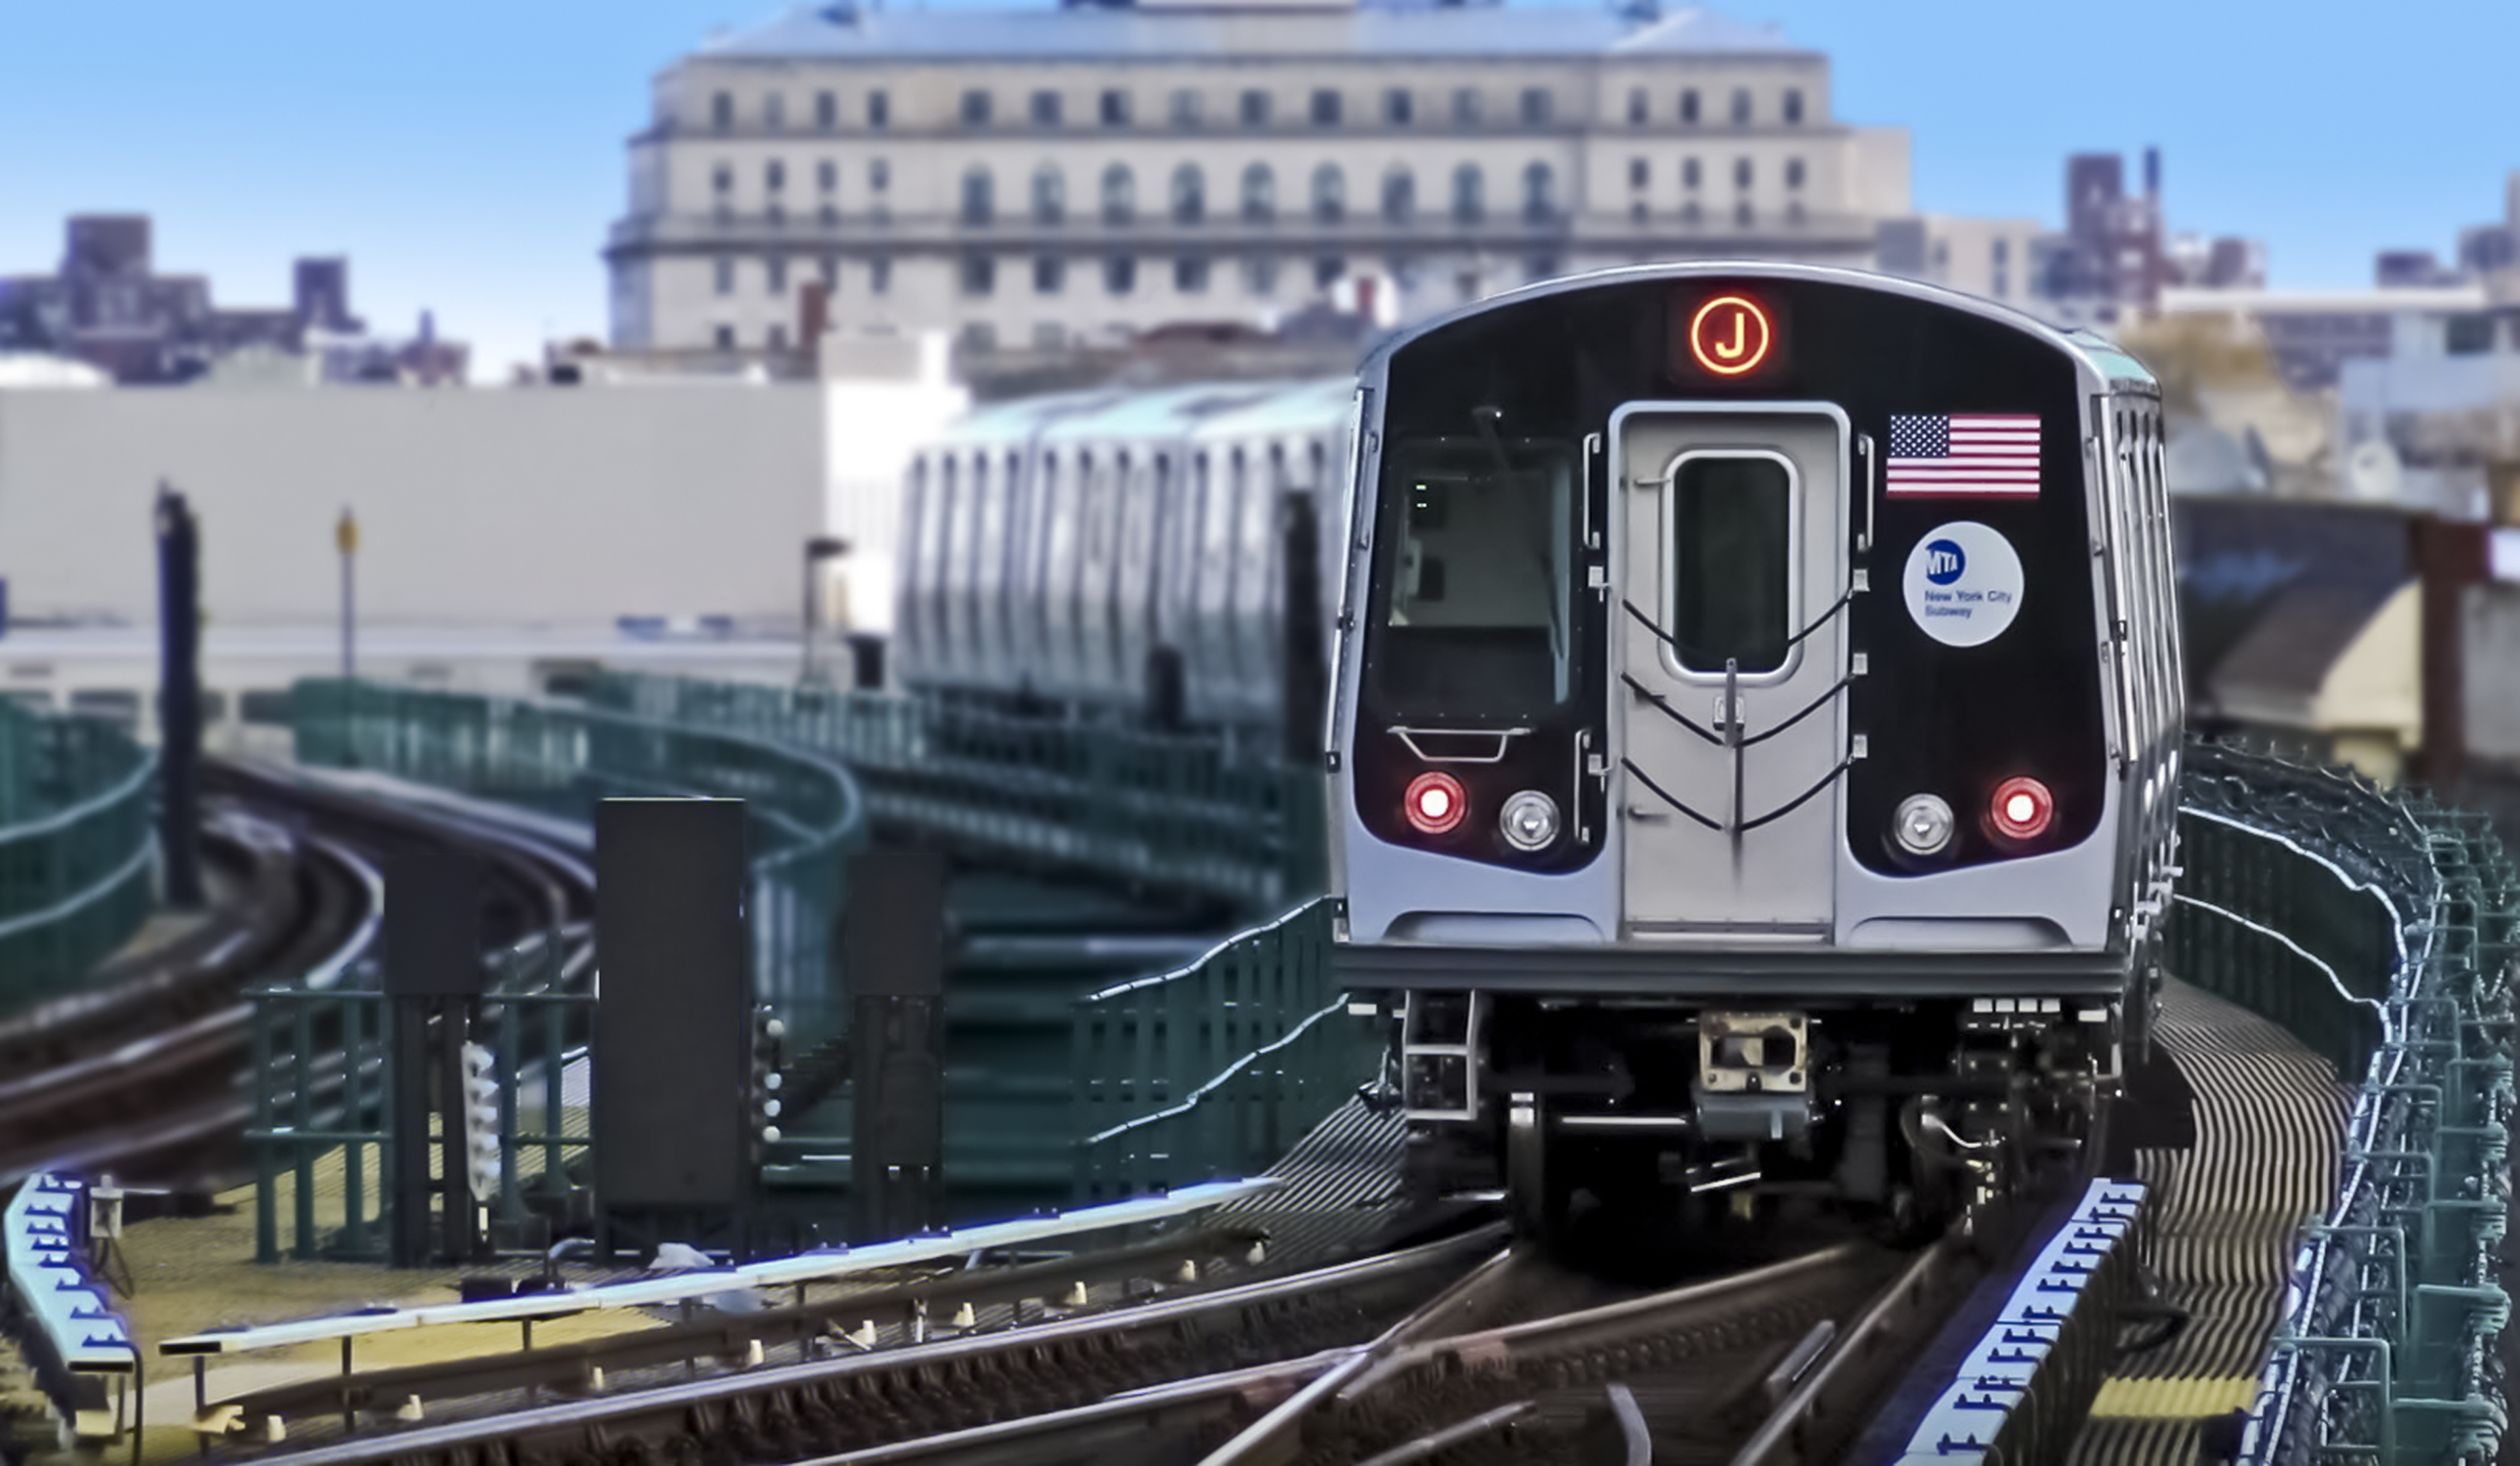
1041 1344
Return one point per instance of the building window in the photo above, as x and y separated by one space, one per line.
880 175
1048 275
1741 213
778 337
1259 194
1740 172
1690 213
826 175
1470 194
1538 183
774 111
1535 106
1329 194
1115 108
1049 335
1638 212
1326 270
774 175
879 110
1048 195
1688 105
722 181
1639 109
1255 108
1184 110
827 110
1794 106
1190 194
831 270
1326 108
1399 195
2468 334
879 276
1793 210
1260 274
976 108
1688 173
1045 108
1397 105
1640 172
1740 107
2002 283
1120 273
2002 251
774 272
725 276
979 275
1793 172
1541 267
1119 194
722 111
979 198
725 337
1189 275
1465 106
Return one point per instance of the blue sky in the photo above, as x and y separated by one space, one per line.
466 155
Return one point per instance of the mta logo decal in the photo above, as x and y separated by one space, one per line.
1943 562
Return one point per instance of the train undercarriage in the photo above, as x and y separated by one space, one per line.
1904 1111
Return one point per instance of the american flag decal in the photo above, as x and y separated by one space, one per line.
1969 455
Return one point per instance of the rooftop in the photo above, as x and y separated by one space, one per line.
862 32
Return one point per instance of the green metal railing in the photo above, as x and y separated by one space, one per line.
1216 1069
1196 812
322 1130
804 811
2383 930
77 847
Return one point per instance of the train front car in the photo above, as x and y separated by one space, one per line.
1755 735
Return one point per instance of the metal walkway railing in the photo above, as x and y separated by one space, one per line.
2382 929
78 848
806 815
1196 813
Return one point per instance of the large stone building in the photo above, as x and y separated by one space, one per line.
1049 175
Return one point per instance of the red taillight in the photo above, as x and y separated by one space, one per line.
1436 804
2022 809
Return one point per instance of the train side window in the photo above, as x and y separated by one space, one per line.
1728 564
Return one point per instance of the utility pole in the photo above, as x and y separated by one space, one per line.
179 697
817 550
346 537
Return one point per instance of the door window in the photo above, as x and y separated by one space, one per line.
1727 582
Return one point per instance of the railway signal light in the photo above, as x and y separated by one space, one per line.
482 1148
769 1032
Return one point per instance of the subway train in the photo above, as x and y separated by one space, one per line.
1123 554
1754 737
1753 721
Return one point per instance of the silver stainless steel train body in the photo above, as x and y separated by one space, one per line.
1754 735
1060 549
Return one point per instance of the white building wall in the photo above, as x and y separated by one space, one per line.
517 507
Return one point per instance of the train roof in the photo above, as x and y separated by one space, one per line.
2106 359
1016 421
1294 406
1155 413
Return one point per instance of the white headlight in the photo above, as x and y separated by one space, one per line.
1923 825
1529 820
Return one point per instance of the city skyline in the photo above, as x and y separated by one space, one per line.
467 161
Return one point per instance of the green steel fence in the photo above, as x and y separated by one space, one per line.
1208 812
1216 1069
804 811
77 847
2382 929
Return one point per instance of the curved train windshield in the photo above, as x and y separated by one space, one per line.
1474 556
